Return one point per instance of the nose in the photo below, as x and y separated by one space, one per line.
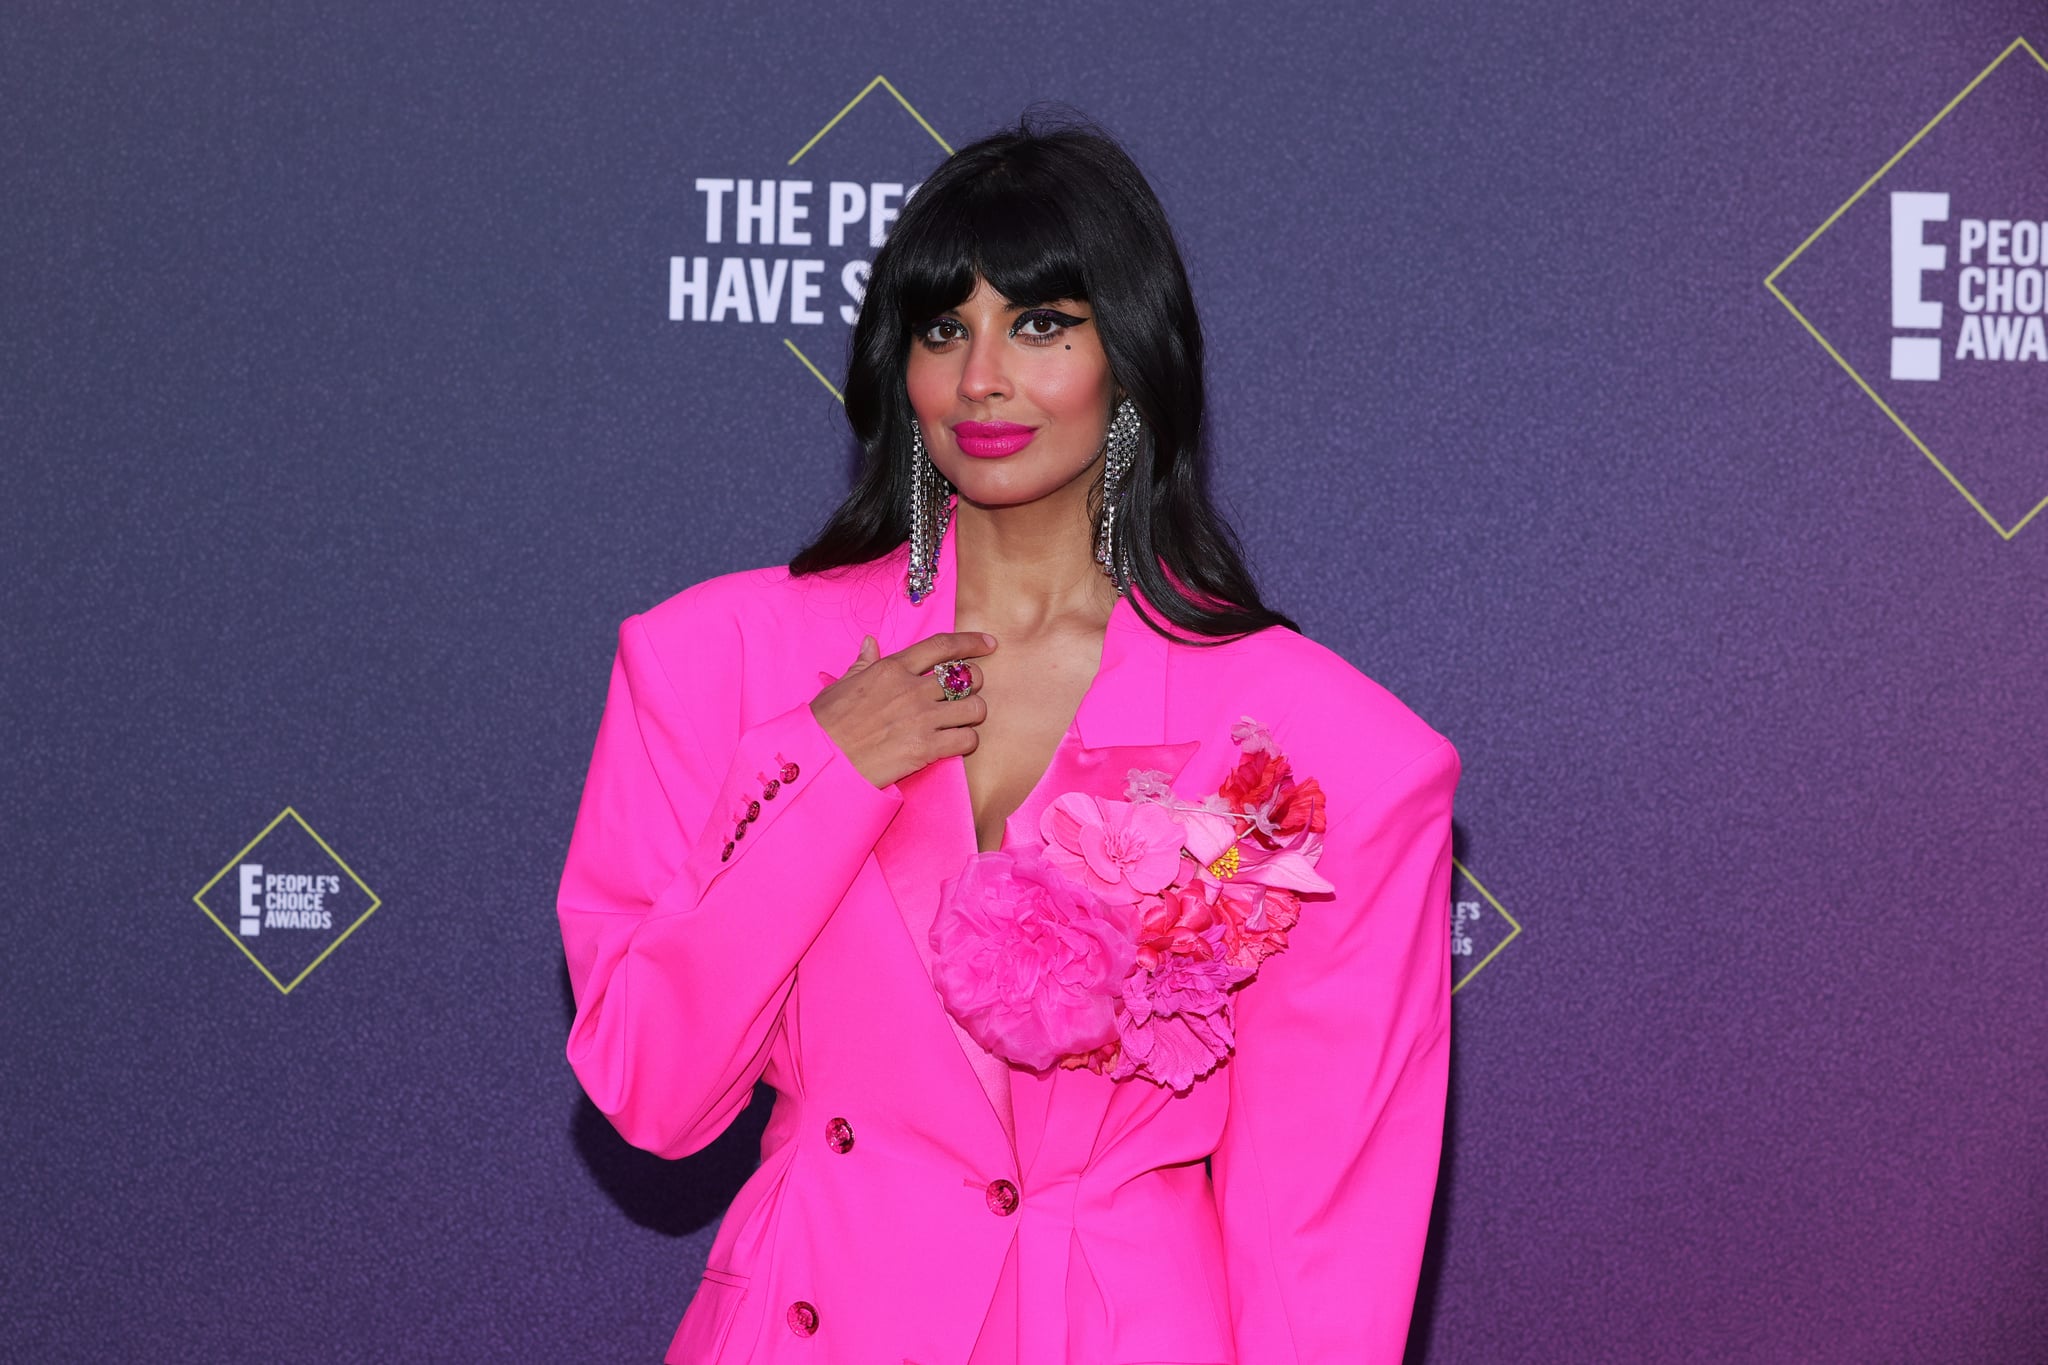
984 374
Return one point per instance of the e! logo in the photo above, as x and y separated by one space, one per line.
1913 256
252 899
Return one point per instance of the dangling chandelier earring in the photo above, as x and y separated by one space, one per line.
1119 448
928 513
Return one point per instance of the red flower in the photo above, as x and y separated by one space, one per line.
1299 809
1253 780
1255 921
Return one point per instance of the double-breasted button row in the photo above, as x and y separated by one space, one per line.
789 772
839 1136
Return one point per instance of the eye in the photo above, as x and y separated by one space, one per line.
1042 325
939 331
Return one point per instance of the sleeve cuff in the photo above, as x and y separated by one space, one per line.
787 770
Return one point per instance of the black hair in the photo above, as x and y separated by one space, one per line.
1045 213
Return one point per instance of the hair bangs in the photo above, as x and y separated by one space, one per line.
1021 241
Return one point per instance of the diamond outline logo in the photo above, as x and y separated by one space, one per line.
1514 933
816 138
1771 283
199 898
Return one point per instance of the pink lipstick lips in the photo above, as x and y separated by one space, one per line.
992 440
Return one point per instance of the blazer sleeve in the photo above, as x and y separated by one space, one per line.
1328 1161
683 920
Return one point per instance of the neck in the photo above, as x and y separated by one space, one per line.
1024 567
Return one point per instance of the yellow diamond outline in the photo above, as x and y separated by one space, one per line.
1771 283
818 136
199 898
1499 909
868 89
829 387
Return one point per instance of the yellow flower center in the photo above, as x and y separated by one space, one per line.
1225 867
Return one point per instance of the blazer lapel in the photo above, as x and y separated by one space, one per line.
1122 724
932 835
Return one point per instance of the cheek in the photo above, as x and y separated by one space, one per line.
930 387
1069 392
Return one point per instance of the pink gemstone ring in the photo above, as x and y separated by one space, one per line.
956 679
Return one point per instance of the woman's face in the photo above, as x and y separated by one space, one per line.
1014 402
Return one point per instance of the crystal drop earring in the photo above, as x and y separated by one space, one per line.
1119 448
928 513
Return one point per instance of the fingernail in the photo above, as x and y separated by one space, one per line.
988 639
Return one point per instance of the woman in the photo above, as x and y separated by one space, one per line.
821 794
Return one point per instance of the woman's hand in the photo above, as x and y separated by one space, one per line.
890 716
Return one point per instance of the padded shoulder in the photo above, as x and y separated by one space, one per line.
1334 723
727 597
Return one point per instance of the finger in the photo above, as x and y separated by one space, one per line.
958 739
933 650
969 710
869 652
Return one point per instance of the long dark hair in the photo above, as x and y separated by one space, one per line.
1045 213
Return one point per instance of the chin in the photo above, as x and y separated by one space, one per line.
1004 493
1001 483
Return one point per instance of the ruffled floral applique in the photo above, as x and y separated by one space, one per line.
1120 942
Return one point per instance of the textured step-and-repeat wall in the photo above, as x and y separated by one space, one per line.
1654 399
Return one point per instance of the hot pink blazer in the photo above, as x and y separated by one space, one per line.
739 902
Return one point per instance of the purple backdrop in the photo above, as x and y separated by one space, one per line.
1557 383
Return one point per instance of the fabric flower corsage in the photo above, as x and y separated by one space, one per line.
1120 942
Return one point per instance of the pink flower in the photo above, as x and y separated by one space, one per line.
1252 737
1174 922
1173 1050
1029 962
1146 784
1212 835
1116 849
1175 1026
1182 984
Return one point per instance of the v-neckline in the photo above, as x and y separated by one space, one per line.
1098 713
1031 802
1068 737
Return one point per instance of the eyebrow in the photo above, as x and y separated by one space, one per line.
1042 303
